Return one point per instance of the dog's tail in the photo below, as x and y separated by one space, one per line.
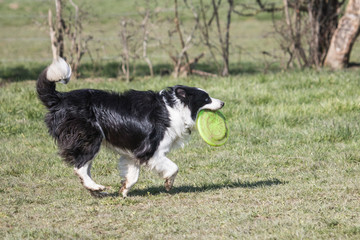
58 71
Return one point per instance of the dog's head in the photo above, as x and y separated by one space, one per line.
196 99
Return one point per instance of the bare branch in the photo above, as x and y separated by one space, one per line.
126 58
227 39
254 10
177 24
145 41
268 9
60 27
213 15
206 35
204 74
52 36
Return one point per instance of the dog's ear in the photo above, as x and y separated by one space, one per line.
180 93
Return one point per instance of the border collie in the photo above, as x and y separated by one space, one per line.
142 126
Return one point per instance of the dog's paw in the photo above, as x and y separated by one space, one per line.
169 184
95 187
123 190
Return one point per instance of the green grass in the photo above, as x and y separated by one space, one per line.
290 169
25 36
25 43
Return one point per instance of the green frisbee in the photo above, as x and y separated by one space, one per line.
212 127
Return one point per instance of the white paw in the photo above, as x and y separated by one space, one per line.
96 187
124 190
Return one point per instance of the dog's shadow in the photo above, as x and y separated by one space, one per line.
196 189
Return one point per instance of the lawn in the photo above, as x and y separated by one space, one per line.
290 169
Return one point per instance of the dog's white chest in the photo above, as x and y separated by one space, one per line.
179 131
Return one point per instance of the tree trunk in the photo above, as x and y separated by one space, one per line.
344 37
323 18
310 24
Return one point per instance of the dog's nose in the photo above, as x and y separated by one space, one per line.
222 103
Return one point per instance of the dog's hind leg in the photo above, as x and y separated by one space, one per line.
85 177
83 167
129 171
79 142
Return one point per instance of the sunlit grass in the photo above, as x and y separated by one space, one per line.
289 170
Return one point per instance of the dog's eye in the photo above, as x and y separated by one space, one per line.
207 99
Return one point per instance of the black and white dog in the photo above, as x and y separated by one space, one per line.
143 126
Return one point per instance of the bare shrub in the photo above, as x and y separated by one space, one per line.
71 27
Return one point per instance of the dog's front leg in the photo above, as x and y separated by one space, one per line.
129 171
169 182
166 169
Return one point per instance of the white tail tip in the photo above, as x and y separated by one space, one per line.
59 70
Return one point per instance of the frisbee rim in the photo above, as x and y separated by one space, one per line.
204 133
